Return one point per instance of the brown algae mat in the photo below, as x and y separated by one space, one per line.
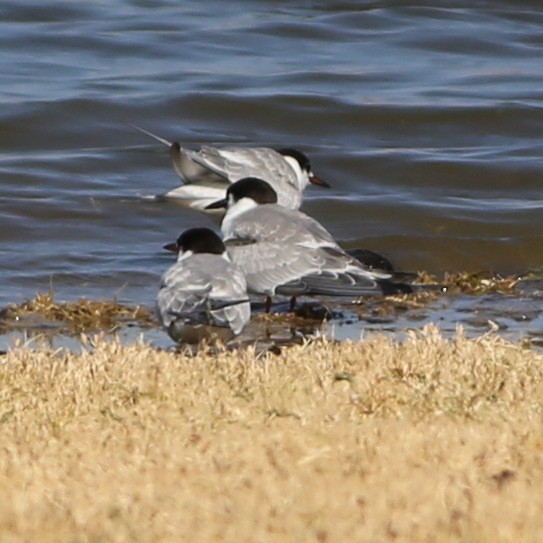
482 282
78 316
427 440
108 315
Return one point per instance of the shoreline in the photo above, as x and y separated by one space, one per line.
477 302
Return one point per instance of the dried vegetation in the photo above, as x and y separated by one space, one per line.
472 283
428 440
80 315
453 283
107 315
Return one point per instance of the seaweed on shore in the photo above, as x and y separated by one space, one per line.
85 315
385 308
482 282
80 315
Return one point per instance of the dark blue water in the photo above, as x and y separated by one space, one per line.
426 119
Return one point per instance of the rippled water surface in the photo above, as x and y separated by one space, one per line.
427 121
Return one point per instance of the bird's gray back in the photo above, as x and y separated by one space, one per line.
190 284
275 246
235 163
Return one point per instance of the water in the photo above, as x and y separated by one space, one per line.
426 120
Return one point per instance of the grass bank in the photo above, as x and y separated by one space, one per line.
427 440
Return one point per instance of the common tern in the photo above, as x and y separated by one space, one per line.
207 172
203 295
286 252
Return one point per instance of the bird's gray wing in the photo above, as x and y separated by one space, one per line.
259 162
312 235
212 167
275 223
191 307
230 293
215 295
183 294
271 249
238 162
340 275
331 284
184 163
276 247
192 169
265 265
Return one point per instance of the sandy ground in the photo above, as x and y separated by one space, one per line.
425 440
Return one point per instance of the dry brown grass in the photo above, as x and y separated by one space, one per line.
429 440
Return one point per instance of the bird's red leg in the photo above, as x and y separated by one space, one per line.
292 304
268 304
